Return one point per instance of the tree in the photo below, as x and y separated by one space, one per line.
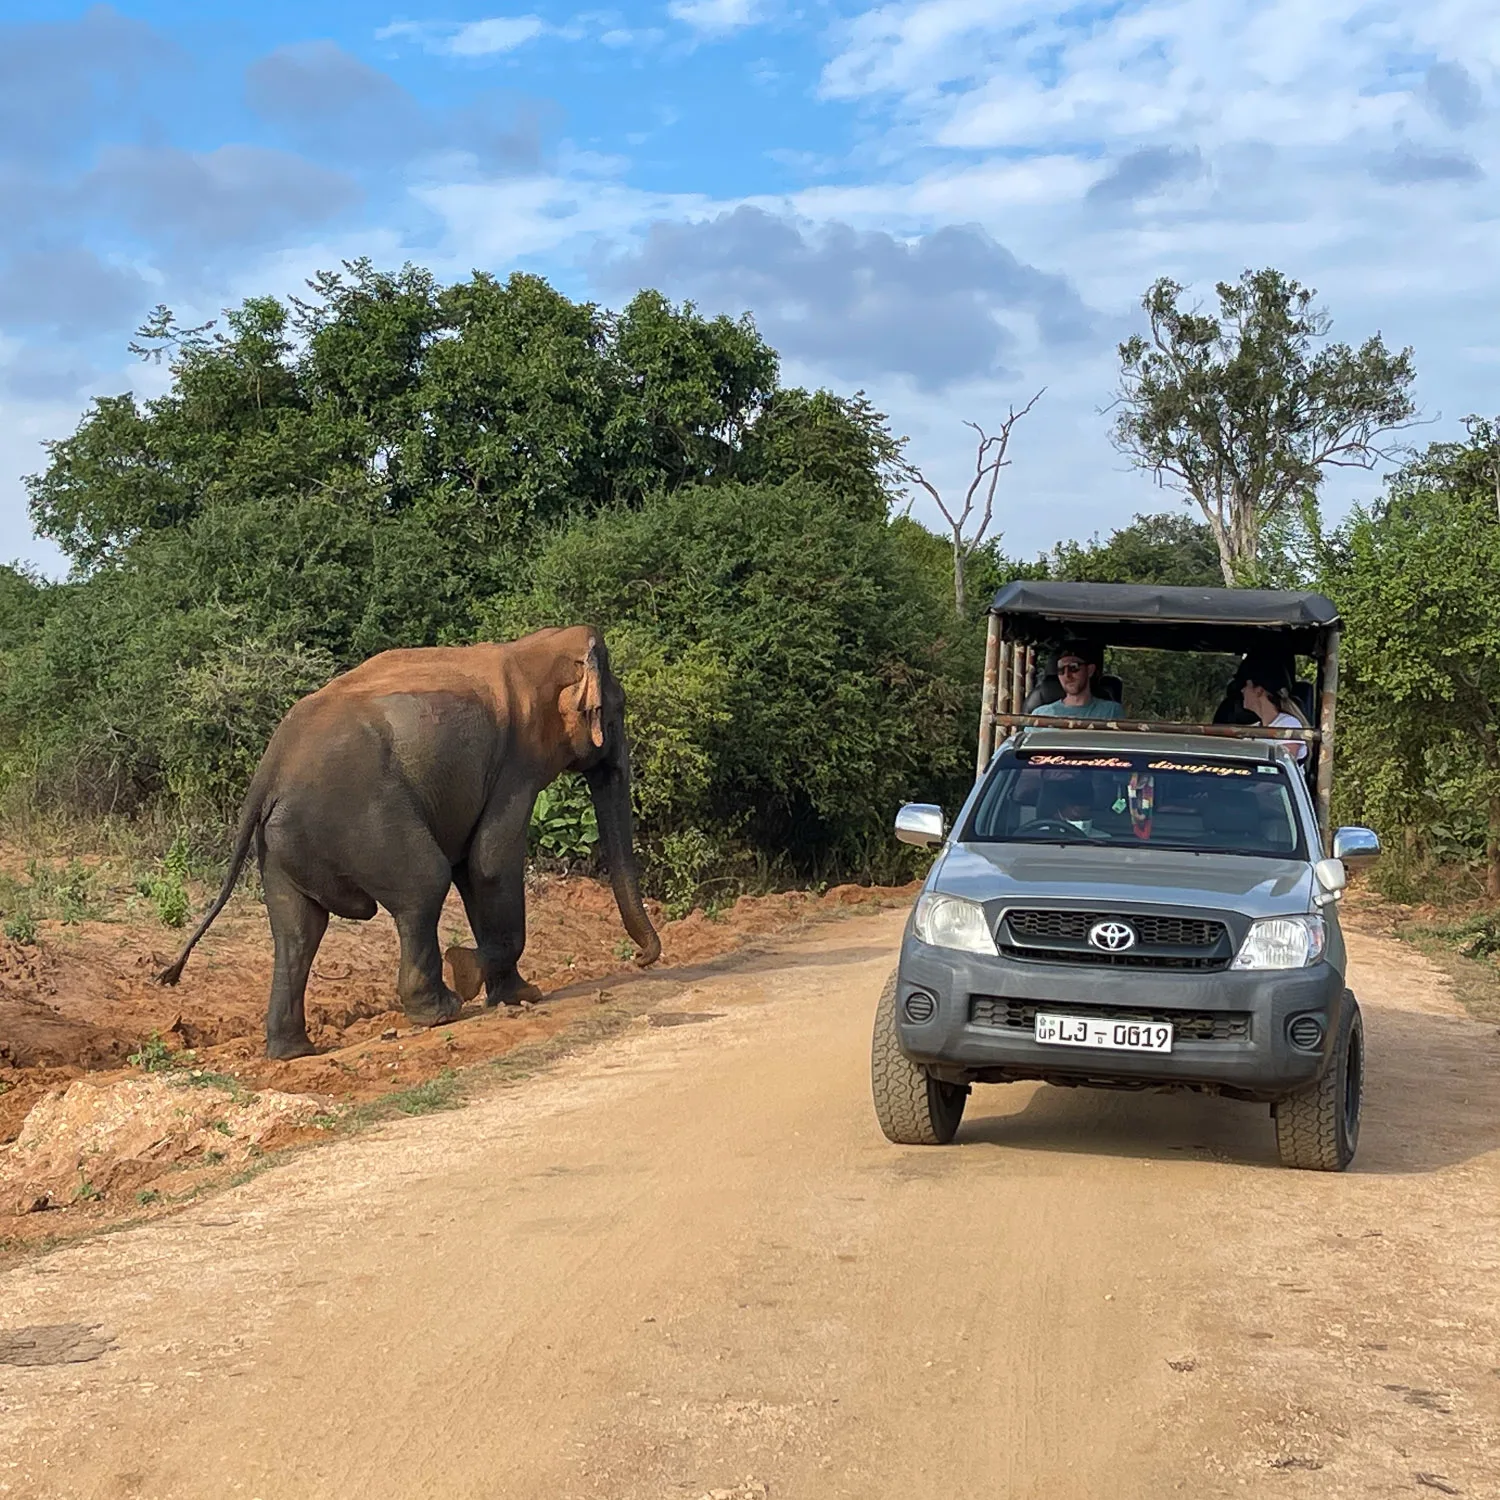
839 443
1245 411
1162 548
1484 434
990 456
1167 548
1417 579
383 462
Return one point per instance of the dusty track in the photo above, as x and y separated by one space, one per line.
686 1262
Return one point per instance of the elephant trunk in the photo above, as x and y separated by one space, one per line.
609 785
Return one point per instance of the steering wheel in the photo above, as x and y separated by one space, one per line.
1053 825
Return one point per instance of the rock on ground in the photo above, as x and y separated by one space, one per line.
97 1139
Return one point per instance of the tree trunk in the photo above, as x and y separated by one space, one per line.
1246 524
1221 537
960 593
609 786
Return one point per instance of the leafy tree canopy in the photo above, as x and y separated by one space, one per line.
390 461
488 408
1417 579
1244 411
1170 549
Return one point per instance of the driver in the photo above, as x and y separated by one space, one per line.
1074 801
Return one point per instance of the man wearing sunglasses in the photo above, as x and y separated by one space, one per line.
1076 674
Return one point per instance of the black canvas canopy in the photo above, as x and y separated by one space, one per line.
1183 619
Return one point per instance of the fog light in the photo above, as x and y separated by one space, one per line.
1306 1032
919 1007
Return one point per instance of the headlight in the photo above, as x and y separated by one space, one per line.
950 922
1282 943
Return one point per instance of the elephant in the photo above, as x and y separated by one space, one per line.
416 771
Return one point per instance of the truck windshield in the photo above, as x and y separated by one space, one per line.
1138 799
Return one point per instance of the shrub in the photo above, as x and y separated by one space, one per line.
791 678
167 889
680 861
563 824
20 926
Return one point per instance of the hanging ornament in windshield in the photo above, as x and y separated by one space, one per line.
1141 795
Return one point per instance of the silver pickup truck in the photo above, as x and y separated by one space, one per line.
1134 905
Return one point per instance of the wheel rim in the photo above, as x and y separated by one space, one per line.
1353 1087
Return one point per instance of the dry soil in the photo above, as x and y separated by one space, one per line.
685 1263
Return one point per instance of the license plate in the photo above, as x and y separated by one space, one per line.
1094 1031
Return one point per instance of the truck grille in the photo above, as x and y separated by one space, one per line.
1183 932
1187 1025
1162 941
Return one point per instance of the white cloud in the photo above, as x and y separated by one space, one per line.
26 424
987 74
1343 142
496 223
485 38
715 17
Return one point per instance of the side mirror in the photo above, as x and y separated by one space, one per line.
920 823
1356 846
1331 878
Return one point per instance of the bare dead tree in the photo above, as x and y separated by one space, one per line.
990 456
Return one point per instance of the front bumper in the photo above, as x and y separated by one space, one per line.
1232 1031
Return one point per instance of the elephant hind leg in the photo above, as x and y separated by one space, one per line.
297 927
425 997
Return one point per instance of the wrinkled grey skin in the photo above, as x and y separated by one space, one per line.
418 771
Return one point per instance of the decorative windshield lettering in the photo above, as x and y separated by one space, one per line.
1087 763
1200 769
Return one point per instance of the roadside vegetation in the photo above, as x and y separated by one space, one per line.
391 461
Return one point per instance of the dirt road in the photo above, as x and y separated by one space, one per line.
687 1264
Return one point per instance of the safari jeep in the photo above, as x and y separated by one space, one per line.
1133 904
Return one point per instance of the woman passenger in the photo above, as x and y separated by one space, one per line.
1267 693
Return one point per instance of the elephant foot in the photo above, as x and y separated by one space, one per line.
433 1010
282 1048
517 993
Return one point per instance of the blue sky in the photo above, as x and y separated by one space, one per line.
948 203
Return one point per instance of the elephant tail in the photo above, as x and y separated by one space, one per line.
249 820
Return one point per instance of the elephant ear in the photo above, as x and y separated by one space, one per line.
589 696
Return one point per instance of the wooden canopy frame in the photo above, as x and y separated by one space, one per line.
1011 670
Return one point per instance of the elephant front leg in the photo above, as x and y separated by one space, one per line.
492 884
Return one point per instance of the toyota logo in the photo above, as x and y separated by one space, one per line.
1113 937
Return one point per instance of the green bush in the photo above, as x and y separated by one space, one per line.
791 677
155 1056
20 926
167 888
682 860
71 894
563 823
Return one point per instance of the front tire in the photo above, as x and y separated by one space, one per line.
913 1108
1317 1130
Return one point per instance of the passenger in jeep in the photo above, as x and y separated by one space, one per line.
1076 674
1266 691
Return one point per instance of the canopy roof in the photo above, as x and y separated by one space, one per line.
1184 619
